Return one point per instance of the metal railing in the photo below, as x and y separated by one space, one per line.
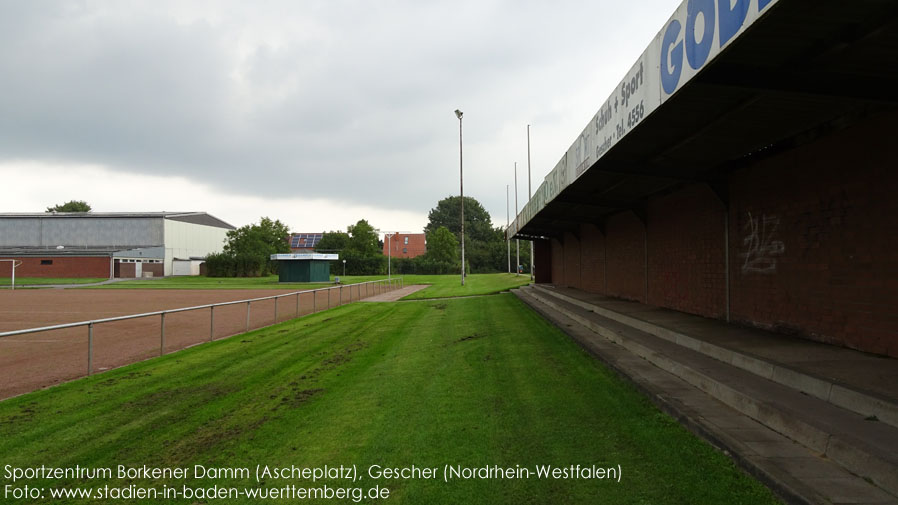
372 288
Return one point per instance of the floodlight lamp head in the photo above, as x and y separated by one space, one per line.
458 113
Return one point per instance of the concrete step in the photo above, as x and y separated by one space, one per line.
864 447
840 394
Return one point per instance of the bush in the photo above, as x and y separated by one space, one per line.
358 264
239 265
220 265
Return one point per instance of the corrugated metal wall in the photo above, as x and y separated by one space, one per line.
80 232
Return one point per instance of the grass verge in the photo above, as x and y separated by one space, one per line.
469 382
446 286
44 281
440 286
202 282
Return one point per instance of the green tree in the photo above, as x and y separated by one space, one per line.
252 245
442 246
71 206
363 239
478 225
481 239
332 242
360 248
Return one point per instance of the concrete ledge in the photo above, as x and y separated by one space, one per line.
811 427
836 394
795 474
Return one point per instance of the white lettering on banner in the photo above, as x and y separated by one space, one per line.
693 36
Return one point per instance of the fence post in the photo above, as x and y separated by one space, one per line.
314 301
211 322
90 348
162 335
275 310
341 295
247 316
329 298
297 304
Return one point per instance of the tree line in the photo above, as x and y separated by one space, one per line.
247 249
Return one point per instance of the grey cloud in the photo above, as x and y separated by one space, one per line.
356 101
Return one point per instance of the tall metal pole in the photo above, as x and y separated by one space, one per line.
461 181
389 255
529 196
507 226
517 241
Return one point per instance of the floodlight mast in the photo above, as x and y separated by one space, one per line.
517 241
507 226
389 237
529 197
461 182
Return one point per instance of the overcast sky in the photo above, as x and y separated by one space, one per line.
317 113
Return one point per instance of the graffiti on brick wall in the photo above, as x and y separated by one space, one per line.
761 246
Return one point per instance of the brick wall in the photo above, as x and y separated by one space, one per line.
592 259
814 235
571 260
397 247
626 256
686 252
542 261
61 267
557 261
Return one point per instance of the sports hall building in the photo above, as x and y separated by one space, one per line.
89 244
744 170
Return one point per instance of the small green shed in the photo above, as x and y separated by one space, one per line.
306 267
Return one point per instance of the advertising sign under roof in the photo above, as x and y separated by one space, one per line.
696 33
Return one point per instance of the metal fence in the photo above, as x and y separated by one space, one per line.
371 288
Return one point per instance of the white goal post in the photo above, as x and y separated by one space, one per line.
15 263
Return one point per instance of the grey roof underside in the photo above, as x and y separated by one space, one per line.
804 70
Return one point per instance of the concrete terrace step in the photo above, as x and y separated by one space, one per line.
864 447
761 353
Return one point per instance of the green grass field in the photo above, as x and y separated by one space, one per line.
473 382
44 281
444 286
441 286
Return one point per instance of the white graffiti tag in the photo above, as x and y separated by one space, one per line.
762 249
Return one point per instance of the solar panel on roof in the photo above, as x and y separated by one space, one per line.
305 240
